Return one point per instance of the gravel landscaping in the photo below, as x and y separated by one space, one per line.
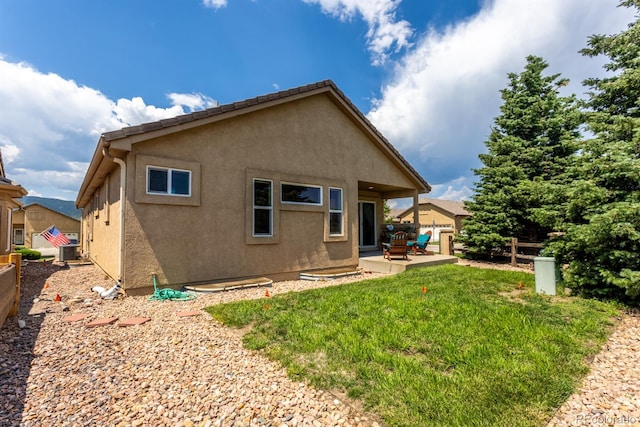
192 371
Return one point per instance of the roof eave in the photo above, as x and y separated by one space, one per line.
88 184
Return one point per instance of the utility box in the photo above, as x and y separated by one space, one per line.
545 272
68 253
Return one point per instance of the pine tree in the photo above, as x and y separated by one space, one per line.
529 149
602 244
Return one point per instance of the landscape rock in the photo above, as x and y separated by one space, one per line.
193 371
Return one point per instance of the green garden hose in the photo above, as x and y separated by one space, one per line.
169 294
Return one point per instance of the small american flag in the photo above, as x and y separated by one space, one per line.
55 237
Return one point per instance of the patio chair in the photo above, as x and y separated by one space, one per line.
397 246
420 245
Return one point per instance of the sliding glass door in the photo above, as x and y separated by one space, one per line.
367 225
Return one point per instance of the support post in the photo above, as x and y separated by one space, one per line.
416 213
17 260
514 250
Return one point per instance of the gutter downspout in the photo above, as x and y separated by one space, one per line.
123 185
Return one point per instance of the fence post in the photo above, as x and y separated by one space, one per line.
514 250
17 260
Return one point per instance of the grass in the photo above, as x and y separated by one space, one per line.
471 350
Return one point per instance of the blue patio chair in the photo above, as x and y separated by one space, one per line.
420 245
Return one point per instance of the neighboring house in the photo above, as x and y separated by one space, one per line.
394 215
9 192
29 221
271 186
9 273
436 215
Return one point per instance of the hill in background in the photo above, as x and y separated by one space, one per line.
65 207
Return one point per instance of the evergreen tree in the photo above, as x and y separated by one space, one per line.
602 244
529 149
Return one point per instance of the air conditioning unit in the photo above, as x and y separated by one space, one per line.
68 253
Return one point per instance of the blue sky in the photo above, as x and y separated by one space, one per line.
426 73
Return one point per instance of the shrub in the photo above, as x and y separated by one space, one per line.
28 253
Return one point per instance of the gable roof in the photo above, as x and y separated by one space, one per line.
24 208
121 140
65 207
453 207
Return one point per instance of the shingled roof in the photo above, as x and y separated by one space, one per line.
221 109
191 120
453 207
240 105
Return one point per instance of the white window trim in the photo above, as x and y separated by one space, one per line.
15 242
340 211
321 203
269 208
168 170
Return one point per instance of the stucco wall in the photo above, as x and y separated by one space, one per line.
309 141
18 217
101 225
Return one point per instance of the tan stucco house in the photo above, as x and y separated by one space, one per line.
30 220
270 186
9 274
9 193
436 215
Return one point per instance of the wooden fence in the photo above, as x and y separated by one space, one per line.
514 253
512 250
10 267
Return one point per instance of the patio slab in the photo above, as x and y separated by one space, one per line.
377 263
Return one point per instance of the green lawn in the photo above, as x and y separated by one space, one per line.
471 350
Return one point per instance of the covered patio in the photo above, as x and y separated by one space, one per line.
371 199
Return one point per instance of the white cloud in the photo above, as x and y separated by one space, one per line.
441 101
385 34
135 111
454 190
215 4
193 101
9 151
49 126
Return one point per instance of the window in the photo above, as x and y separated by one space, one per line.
173 182
335 211
301 194
18 236
35 215
262 208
